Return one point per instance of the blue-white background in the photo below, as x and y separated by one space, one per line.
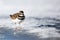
42 20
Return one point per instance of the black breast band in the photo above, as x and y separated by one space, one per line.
21 17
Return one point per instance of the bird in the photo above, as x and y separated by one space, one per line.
18 18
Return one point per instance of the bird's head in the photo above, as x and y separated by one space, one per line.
21 11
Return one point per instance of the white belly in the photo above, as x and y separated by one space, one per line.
16 20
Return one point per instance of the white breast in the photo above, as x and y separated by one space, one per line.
16 20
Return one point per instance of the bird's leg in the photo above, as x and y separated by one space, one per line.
15 23
18 28
20 22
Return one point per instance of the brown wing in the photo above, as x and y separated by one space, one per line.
16 15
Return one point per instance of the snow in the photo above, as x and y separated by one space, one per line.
31 26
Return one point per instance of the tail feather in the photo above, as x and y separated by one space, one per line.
10 15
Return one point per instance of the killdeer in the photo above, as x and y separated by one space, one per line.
18 17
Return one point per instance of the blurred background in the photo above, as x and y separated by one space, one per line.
42 20
36 8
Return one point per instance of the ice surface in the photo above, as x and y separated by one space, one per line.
33 28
